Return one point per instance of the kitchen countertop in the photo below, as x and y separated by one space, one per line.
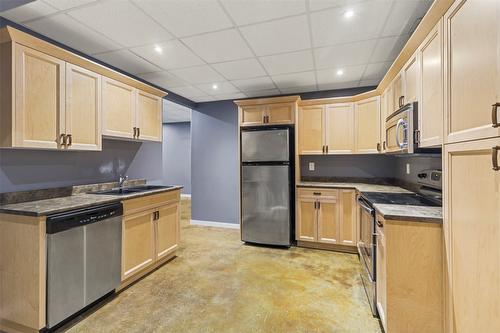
61 204
388 211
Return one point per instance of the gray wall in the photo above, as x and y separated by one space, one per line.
177 155
417 164
34 169
214 162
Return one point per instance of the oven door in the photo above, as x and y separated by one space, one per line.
366 243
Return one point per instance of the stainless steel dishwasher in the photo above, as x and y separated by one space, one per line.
83 259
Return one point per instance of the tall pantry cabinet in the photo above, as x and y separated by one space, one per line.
472 175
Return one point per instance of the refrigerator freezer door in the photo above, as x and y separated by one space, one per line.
265 145
266 204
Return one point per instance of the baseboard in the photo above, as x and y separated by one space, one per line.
186 196
215 224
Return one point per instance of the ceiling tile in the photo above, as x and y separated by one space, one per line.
296 90
163 79
323 4
203 99
127 61
229 96
344 54
246 12
294 80
369 83
280 36
219 46
259 83
261 93
240 69
130 28
288 62
388 48
330 27
329 77
28 11
68 31
404 15
187 17
198 74
376 71
339 85
222 88
173 55
67 4
188 91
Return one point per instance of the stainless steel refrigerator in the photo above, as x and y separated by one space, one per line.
267 185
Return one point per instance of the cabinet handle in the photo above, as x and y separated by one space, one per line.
327 149
317 193
157 214
380 224
378 146
324 150
494 157
319 205
63 139
383 145
138 132
315 205
70 140
494 115
135 132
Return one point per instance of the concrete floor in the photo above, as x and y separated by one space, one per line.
218 284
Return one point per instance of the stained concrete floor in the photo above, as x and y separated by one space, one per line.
217 284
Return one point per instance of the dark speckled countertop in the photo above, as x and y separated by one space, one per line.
80 200
388 212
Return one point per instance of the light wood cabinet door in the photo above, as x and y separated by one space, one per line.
472 234
306 229
328 220
118 108
311 130
137 243
280 113
149 117
347 226
430 108
339 128
252 115
397 92
381 273
39 99
391 107
83 109
367 129
167 230
411 80
472 69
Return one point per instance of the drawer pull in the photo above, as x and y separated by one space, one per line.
494 157
494 115
317 193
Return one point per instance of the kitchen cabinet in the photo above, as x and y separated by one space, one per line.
472 235
268 111
391 106
472 83
311 130
119 109
149 117
430 108
409 276
397 92
383 113
411 76
150 233
367 130
83 109
326 216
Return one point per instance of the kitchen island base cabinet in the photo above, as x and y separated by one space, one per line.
410 277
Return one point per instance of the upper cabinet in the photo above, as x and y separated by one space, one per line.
51 98
472 83
311 130
411 78
367 129
430 108
267 111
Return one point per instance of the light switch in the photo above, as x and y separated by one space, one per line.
407 168
311 166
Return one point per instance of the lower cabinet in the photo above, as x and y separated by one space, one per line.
150 234
410 279
326 216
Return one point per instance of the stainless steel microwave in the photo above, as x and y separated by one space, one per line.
401 130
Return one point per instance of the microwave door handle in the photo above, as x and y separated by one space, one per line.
399 124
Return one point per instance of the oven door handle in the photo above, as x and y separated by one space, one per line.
363 205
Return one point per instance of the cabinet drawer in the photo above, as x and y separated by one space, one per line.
318 192
149 201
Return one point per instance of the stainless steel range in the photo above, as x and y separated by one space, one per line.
429 195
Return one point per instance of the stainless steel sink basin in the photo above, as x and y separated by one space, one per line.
130 190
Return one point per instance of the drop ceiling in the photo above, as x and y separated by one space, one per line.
207 50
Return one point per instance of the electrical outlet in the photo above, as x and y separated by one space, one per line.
407 168
311 166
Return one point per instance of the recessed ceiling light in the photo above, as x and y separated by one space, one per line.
340 72
348 14
215 87
158 49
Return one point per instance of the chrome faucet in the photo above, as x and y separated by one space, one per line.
122 180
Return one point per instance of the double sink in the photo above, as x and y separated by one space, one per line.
132 189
